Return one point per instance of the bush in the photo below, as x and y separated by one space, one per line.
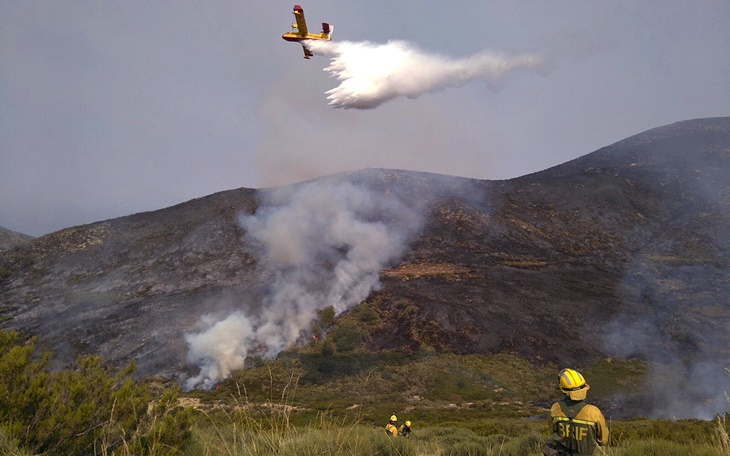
347 336
10 446
664 448
466 449
382 444
85 410
532 443
680 431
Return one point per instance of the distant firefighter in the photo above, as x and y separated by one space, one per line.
390 428
578 427
405 430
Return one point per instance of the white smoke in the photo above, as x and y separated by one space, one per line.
322 244
679 385
216 351
371 74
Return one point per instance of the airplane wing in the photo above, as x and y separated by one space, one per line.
301 23
307 52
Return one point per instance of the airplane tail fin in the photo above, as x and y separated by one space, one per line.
327 30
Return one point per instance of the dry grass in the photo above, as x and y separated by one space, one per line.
412 271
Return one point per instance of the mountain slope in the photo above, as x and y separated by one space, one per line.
621 252
9 239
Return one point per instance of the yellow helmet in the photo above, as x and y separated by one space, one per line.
571 380
393 418
408 423
573 384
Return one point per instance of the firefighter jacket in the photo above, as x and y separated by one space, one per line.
577 427
390 429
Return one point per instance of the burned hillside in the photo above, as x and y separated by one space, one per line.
10 239
624 250
621 252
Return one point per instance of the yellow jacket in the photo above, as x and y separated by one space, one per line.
390 429
588 417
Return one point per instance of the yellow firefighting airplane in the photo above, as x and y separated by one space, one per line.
299 31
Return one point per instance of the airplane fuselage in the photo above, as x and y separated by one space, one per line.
298 37
295 37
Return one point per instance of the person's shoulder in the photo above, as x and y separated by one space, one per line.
591 407
555 409
589 412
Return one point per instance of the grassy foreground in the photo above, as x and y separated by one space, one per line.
319 400
248 429
331 437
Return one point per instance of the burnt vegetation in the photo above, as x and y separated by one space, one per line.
10 239
623 252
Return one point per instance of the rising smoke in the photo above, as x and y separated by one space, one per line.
371 74
679 385
322 243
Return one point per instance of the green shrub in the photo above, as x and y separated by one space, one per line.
680 431
382 444
365 314
347 336
529 444
85 410
664 448
10 446
466 449
23 383
324 321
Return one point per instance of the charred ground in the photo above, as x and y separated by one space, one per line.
624 251
10 239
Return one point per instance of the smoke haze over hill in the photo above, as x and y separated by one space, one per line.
322 244
622 252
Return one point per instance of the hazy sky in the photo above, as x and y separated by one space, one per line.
113 108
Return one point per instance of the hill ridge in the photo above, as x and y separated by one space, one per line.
623 252
10 238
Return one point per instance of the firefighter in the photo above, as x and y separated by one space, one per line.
405 430
578 427
390 428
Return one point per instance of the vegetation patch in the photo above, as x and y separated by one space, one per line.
412 271
459 405
609 376
525 264
89 409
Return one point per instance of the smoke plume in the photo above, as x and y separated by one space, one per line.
371 74
320 244
687 375
679 384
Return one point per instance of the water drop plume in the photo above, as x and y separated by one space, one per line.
370 74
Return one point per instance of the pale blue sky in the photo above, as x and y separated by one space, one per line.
112 108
